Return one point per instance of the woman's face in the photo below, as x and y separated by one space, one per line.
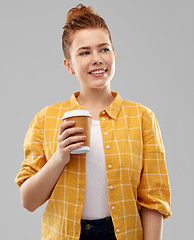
92 58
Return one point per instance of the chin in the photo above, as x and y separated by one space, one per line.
100 86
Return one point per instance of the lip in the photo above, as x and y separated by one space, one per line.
98 69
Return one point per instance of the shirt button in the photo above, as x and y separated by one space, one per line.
109 166
118 230
113 207
103 119
105 133
107 146
111 187
103 112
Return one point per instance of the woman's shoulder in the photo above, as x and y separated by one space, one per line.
137 107
54 109
63 105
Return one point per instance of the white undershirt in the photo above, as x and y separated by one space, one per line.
96 204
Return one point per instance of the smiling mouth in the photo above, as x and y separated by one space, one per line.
98 72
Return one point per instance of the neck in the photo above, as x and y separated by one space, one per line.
97 98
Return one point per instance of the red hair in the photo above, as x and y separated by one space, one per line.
78 18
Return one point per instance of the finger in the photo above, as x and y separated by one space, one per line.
70 131
74 146
65 125
72 140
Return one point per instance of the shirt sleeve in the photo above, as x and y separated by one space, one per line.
34 157
154 188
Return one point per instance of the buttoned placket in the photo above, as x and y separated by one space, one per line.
109 165
106 133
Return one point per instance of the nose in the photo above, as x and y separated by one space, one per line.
96 59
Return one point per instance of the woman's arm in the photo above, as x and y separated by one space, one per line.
152 222
37 189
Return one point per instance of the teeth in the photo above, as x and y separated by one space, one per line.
97 72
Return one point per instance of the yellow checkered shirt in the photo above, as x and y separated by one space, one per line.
138 177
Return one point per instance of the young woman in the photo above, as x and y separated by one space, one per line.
120 189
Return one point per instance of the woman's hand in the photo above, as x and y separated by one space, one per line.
66 142
38 188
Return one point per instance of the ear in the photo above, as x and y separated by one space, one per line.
68 66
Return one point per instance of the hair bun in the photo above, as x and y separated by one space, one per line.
79 18
78 11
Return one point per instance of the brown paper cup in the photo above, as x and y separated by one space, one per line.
82 119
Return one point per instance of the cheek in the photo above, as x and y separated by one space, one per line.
110 59
81 66
111 62
112 66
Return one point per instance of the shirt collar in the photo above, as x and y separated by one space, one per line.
112 110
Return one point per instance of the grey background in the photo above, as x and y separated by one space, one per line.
154 66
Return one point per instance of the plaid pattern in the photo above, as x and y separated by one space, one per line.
136 168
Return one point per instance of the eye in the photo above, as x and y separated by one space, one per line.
105 50
84 53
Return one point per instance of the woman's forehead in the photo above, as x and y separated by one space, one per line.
90 38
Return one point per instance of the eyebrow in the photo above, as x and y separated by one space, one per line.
86 47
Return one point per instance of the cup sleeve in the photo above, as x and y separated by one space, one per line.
34 157
154 188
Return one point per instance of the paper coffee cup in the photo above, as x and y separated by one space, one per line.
82 119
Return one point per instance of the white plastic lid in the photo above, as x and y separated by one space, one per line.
76 113
83 149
